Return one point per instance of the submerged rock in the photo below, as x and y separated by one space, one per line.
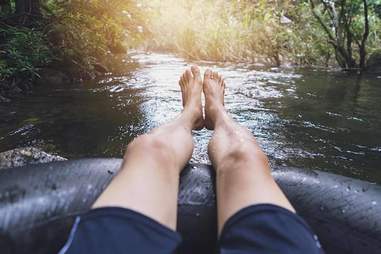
23 156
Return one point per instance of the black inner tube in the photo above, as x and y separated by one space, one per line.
38 204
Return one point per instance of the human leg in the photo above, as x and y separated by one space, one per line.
149 178
242 170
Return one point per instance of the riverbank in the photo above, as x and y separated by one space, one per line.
59 75
275 33
77 41
26 156
81 42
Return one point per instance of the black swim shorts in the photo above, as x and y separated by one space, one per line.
257 229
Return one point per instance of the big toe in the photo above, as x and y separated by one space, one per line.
196 73
188 75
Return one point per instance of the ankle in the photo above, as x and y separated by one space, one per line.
214 108
215 103
191 118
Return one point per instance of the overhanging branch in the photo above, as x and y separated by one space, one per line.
321 22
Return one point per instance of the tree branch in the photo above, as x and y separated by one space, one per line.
366 21
365 36
321 22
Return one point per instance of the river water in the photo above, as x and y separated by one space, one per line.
305 118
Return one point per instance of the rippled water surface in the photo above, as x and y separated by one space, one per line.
311 119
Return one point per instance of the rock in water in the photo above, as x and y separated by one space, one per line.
23 156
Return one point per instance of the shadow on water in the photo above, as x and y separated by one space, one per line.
304 118
74 122
335 120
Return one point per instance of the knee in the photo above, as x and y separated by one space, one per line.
151 146
244 153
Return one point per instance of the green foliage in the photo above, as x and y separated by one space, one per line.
308 44
80 37
236 31
374 41
85 36
24 51
261 31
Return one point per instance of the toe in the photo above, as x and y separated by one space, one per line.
208 74
196 72
184 79
188 74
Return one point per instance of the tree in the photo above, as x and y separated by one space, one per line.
346 24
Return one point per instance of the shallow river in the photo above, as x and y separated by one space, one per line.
306 118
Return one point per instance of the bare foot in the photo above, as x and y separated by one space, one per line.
214 90
191 89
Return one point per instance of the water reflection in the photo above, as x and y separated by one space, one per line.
304 118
